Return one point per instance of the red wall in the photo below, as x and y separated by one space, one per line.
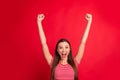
20 47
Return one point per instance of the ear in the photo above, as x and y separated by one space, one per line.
57 49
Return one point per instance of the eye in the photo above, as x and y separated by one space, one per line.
66 47
60 47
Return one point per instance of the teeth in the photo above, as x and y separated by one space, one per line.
64 54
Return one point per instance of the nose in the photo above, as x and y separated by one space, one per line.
63 50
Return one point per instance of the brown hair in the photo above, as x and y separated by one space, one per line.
57 58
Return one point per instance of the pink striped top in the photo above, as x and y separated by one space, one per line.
64 72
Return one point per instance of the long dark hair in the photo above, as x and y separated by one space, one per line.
57 59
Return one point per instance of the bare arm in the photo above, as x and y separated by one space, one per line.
84 38
45 49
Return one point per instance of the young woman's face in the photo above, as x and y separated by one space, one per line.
63 49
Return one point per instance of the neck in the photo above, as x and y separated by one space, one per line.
63 61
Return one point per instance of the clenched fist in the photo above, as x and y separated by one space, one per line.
40 17
88 17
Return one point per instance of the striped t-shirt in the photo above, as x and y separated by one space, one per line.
64 72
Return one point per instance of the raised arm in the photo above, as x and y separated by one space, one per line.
84 38
45 49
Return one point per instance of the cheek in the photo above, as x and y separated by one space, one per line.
59 51
68 50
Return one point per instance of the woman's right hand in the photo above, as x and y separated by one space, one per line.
40 17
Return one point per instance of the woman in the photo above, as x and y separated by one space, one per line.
63 66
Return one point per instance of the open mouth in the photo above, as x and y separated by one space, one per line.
64 55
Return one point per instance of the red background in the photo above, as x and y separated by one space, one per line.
20 47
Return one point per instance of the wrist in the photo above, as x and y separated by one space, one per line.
89 21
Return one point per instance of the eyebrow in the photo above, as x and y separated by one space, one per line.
65 45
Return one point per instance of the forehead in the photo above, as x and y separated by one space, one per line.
63 44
